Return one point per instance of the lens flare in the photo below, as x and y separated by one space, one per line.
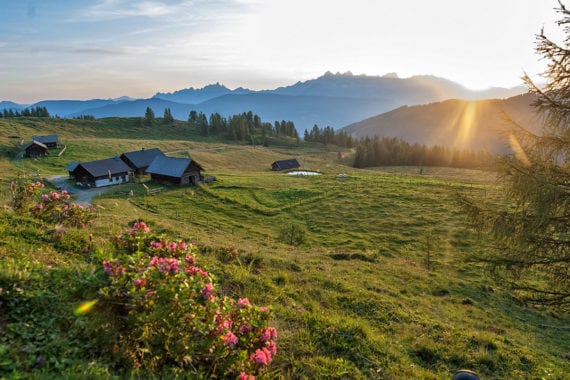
518 150
84 308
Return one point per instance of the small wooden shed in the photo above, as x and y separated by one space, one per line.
285 164
51 141
36 149
180 171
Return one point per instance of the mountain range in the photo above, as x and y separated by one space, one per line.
475 124
334 100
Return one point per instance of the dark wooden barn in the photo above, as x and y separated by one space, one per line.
285 165
36 149
111 171
51 141
140 160
181 171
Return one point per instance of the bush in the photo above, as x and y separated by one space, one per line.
175 322
293 234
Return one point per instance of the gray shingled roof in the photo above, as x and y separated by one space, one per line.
46 139
35 142
101 168
144 157
285 164
170 166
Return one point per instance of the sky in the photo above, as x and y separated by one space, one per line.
85 49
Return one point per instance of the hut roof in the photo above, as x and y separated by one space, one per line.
38 143
142 158
101 168
285 164
170 166
47 139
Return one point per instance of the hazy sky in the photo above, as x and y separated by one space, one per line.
80 49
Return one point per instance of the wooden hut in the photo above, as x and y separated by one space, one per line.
36 149
181 171
51 141
285 165
111 171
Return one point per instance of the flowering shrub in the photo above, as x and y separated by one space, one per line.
54 207
176 320
23 194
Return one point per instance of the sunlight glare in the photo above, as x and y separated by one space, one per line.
84 308
518 150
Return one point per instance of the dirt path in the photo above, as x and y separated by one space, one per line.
82 196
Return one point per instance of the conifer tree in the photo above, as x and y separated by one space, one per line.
531 234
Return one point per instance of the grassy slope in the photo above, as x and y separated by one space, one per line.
357 299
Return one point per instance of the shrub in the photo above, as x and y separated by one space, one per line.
293 234
175 321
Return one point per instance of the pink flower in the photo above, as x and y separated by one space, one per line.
195 270
263 309
268 334
272 347
226 324
244 329
164 264
190 260
243 302
139 227
245 376
235 253
230 339
45 197
39 206
113 269
208 292
156 244
139 282
261 356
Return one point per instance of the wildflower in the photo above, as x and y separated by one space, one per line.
261 356
208 292
268 334
139 227
243 303
164 264
156 244
244 329
235 253
139 282
230 339
39 206
272 347
226 324
190 260
113 269
245 376
195 270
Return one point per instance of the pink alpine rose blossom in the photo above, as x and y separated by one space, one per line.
243 303
230 339
208 292
268 334
261 356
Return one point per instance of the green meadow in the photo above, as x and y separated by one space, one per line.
381 287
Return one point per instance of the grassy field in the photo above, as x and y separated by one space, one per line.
381 288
